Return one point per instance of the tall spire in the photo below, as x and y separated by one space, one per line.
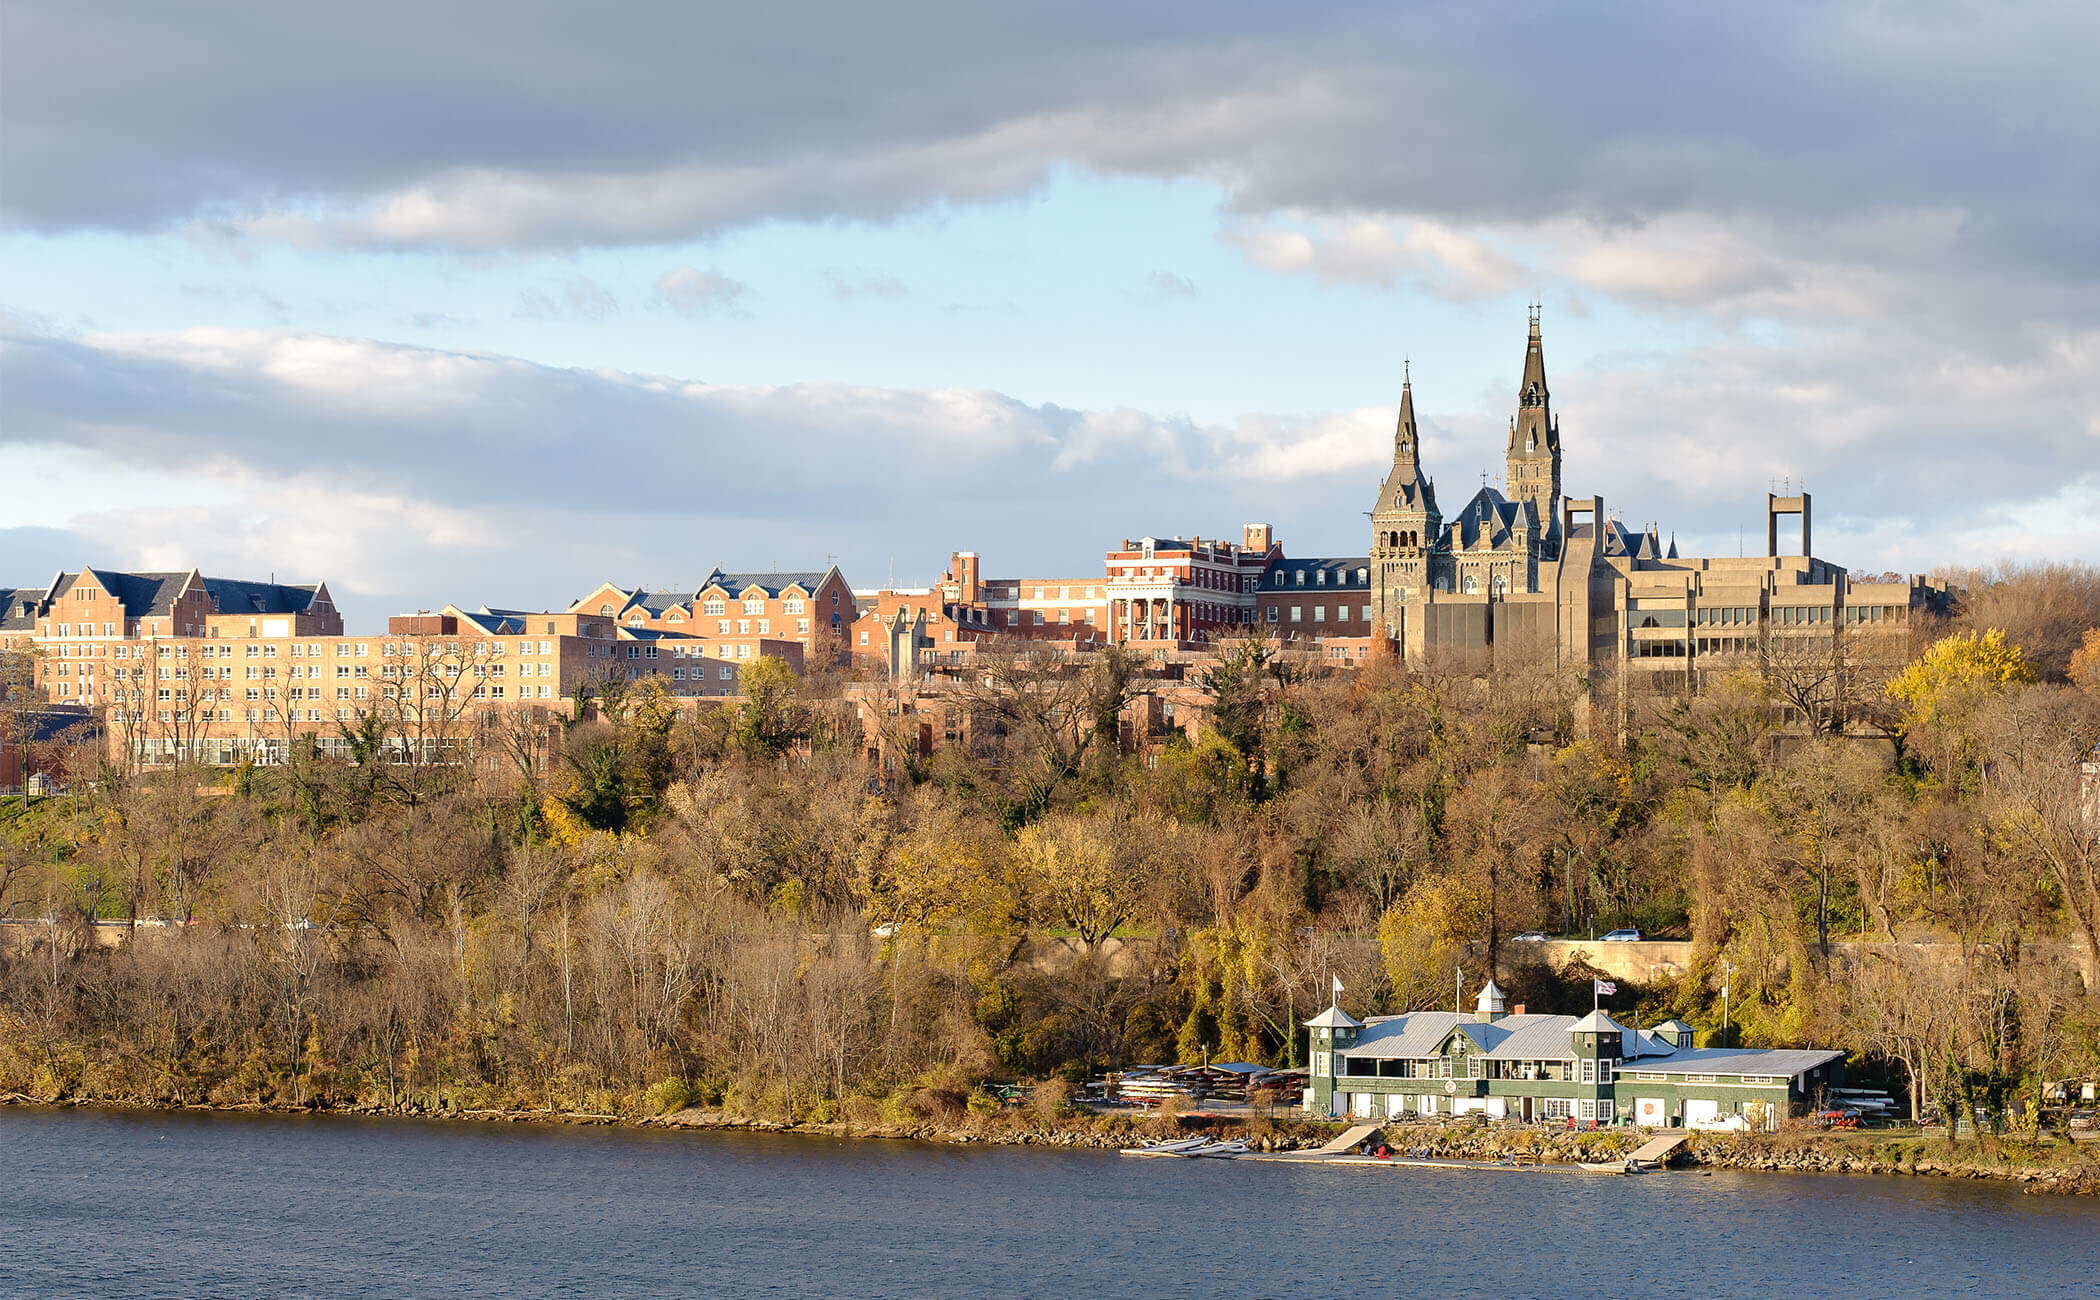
1534 443
1407 442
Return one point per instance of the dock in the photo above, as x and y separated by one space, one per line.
1658 1150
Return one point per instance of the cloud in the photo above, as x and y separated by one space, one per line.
691 292
422 473
1367 249
1166 284
579 298
384 429
654 123
851 286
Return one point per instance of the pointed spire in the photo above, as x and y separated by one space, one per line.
1406 440
1532 391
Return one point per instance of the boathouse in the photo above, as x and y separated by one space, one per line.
1556 1068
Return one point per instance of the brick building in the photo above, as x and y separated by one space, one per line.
810 608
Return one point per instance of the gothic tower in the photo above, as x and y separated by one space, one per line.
1405 526
1533 476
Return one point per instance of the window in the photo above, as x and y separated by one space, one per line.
1297 613
1322 1063
754 604
1604 1072
1319 613
1589 1072
713 606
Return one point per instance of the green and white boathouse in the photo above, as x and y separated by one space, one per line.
1538 1067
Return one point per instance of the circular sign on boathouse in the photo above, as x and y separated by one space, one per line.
1450 1085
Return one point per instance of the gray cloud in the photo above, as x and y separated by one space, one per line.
664 122
1166 284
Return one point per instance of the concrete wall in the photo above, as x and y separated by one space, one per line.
1650 960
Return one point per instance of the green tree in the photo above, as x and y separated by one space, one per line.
769 721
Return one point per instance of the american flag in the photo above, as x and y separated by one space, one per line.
1606 986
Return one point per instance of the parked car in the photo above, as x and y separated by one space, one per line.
1529 936
1622 936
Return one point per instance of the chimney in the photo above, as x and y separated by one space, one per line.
1517 1010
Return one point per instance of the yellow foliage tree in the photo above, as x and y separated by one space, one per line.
1073 874
2085 663
1423 936
1943 684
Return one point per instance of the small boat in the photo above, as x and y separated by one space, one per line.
1613 1166
1220 1150
1176 1147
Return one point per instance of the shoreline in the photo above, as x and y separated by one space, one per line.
2075 1171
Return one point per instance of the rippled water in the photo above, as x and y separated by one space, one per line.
129 1205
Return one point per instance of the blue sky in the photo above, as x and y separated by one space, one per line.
877 290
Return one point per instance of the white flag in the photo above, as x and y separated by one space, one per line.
1607 986
1338 986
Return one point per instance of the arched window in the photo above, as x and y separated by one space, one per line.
606 610
1472 586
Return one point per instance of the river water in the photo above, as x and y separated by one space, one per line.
117 1205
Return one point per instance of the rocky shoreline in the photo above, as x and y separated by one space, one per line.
2073 1170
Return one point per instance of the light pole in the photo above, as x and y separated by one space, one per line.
1727 980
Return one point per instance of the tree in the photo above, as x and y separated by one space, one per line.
2084 667
1086 874
1941 691
769 722
1424 937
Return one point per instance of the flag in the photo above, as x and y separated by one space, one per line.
1337 986
1607 986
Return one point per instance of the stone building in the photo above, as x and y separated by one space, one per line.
1531 572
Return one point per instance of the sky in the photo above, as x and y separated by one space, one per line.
487 304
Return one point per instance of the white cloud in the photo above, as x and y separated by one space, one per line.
577 298
692 292
851 286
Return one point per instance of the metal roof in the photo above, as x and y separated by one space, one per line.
1334 1018
1779 1061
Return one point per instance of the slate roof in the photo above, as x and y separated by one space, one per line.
1341 573
773 583
1488 519
18 606
151 595
144 594
234 596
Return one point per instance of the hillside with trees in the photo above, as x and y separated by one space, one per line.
728 906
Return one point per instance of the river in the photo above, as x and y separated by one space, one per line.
116 1205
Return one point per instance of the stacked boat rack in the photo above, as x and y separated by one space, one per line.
1365 1145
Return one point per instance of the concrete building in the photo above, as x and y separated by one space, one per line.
1505 1065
